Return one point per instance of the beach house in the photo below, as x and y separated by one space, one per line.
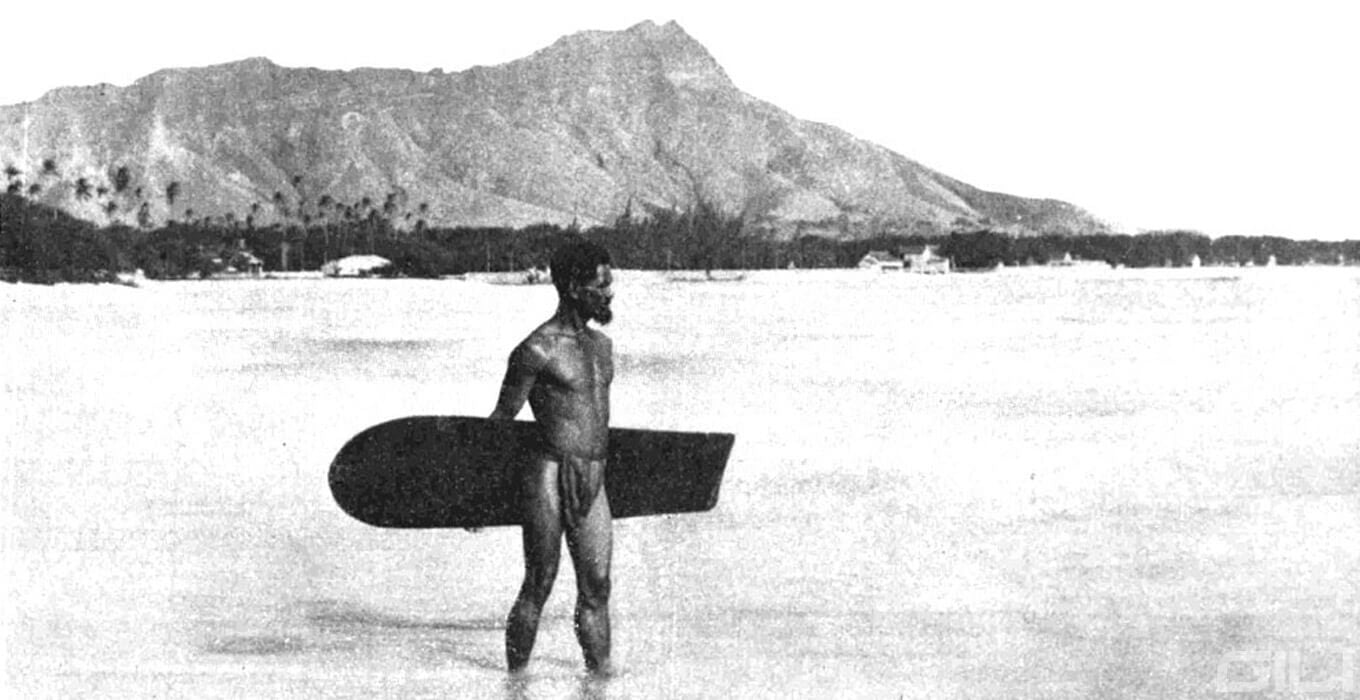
924 259
880 260
246 263
354 266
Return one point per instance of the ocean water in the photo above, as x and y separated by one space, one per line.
1019 484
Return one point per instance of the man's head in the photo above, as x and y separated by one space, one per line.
580 271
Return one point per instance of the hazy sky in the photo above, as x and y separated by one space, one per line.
1224 117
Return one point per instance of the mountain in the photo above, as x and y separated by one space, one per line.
578 131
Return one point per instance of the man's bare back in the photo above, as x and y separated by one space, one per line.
564 369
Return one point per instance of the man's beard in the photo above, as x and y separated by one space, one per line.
592 308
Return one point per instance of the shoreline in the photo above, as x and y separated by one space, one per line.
727 277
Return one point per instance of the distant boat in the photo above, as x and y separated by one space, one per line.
1067 261
533 275
695 276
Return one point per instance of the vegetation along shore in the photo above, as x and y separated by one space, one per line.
41 244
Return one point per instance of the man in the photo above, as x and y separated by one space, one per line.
564 369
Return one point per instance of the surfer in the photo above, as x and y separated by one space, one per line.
563 369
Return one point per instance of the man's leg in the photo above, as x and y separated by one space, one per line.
542 535
591 542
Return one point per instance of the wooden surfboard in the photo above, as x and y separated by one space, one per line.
455 471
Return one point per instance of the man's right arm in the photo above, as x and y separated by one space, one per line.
522 371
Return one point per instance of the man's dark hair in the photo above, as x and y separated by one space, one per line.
577 261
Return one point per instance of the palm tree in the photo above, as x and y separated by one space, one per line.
301 193
172 193
281 203
372 224
302 249
49 167
122 177
423 209
83 188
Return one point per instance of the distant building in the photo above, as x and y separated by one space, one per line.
245 262
923 259
880 260
1068 261
354 266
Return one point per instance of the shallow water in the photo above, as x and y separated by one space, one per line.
1024 484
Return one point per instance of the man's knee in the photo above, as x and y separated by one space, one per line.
593 587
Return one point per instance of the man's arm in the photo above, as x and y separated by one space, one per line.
525 363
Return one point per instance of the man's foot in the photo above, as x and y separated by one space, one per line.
602 671
516 685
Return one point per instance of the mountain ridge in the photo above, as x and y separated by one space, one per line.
592 125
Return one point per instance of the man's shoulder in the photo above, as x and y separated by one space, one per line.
538 344
544 337
547 339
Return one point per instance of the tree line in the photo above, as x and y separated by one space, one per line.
987 249
301 230
39 243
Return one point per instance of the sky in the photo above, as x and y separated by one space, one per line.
1220 117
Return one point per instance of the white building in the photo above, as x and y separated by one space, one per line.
924 259
354 266
880 260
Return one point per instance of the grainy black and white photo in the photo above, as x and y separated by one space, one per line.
680 350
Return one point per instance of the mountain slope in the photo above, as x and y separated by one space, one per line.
574 132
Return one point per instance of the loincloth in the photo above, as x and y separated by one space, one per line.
579 482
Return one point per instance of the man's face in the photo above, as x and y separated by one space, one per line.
593 298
